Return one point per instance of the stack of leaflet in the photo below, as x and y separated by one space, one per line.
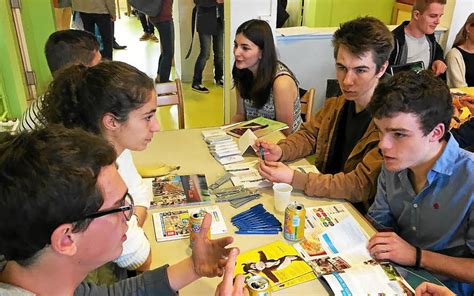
256 220
222 146
237 195
246 174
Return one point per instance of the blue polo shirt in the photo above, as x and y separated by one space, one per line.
440 218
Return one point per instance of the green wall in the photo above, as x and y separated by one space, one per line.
38 24
331 13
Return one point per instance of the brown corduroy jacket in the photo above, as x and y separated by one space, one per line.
358 181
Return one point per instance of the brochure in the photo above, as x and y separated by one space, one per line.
174 190
174 224
346 265
260 126
278 262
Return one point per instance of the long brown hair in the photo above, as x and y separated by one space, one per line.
461 37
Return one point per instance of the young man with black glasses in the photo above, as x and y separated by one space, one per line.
64 209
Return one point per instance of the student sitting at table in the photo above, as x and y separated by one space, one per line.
425 192
265 86
63 49
464 134
117 101
64 208
460 58
342 134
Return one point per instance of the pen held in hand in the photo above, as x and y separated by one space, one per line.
262 155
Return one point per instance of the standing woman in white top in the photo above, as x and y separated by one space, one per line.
460 58
117 101
265 86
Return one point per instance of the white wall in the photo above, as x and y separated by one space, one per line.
462 9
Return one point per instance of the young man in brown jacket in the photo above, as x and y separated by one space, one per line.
342 134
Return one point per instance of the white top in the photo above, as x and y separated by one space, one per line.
137 247
138 189
30 119
456 68
418 50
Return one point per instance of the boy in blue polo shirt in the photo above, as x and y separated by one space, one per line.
426 187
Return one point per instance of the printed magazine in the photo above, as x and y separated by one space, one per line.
173 190
260 126
280 263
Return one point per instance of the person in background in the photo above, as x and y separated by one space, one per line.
62 49
460 58
148 28
209 25
62 14
264 86
164 23
425 192
464 134
342 135
67 208
415 40
117 101
101 13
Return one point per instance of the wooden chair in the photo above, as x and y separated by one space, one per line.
171 93
307 104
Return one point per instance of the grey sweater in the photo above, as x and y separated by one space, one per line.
153 282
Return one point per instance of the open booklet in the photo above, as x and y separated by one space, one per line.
174 190
346 265
260 126
278 262
174 224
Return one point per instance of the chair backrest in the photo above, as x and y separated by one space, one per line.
171 93
307 104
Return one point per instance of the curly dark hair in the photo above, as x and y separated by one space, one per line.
81 96
423 94
365 34
48 177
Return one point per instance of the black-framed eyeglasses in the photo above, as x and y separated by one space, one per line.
127 207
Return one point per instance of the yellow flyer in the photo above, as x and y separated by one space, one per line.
278 262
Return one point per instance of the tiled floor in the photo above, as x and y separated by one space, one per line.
201 110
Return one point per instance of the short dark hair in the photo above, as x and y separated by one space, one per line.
423 95
48 177
257 88
421 5
365 34
80 96
70 47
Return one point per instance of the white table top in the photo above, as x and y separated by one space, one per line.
187 149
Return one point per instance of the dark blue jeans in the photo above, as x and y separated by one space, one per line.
166 30
217 48
105 24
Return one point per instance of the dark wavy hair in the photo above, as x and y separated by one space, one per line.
48 177
365 34
423 95
257 88
70 47
81 96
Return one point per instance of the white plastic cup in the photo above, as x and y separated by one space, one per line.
281 194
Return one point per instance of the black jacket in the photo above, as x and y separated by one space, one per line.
207 20
464 134
399 52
